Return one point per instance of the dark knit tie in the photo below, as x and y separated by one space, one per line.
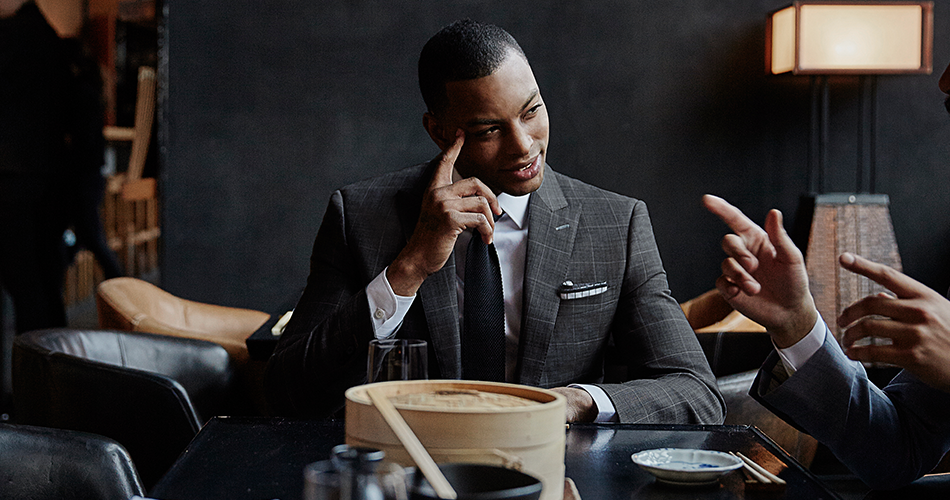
483 335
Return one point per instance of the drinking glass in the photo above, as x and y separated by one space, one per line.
397 359
321 481
354 474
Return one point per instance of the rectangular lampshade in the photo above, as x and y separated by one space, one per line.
850 38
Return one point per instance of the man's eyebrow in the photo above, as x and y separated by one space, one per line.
534 93
489 121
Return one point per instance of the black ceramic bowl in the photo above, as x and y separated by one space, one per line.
480 482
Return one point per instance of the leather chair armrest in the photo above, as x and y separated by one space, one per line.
40 462
110 401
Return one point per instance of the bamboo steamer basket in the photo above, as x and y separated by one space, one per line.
527 438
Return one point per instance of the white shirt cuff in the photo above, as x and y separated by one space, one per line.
386 309
605 407
798 354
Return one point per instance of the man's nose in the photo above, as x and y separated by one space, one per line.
521 140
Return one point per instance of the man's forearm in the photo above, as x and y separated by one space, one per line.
887 438
405 277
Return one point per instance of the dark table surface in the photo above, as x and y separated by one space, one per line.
263 458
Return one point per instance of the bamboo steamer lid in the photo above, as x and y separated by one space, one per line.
511 425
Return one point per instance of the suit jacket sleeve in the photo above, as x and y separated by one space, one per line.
322 350
670 380
887 437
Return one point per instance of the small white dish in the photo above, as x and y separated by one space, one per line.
686 467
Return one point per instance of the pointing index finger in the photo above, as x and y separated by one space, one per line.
902 285
732 216
443 171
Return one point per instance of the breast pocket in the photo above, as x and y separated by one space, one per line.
591 302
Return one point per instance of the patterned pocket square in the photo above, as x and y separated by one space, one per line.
568 290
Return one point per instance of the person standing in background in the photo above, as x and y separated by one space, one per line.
33 127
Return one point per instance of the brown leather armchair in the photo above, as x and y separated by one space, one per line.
732 342
131 304
710 313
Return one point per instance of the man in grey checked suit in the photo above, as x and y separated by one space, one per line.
581 271
888 437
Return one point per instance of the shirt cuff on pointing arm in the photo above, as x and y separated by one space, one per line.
605 407
386 309
795 356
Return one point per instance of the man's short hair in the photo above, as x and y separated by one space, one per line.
463 50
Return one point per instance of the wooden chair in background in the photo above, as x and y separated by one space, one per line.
130 209
131 202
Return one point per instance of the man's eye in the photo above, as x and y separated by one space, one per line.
486 132
534 109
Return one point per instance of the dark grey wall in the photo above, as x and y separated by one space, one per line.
266 110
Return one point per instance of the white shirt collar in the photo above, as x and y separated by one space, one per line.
515 206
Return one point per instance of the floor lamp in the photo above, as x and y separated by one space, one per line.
864 39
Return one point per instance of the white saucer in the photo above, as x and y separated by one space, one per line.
686 467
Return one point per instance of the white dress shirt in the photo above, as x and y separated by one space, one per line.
796 355
510 238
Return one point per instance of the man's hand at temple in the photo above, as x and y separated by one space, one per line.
916 319
764 275
448 209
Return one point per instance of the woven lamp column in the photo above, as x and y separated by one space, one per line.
857 223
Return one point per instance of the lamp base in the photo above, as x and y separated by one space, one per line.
846 222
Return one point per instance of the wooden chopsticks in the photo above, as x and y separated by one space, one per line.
758 474
412 444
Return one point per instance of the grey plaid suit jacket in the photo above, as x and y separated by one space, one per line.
576 232
888 437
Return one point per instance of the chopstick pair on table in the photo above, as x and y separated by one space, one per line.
759 477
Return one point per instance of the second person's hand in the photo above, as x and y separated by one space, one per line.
763 275
915 318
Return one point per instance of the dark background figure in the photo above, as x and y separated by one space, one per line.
51 156
34 75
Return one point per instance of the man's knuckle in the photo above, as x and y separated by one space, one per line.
926 315
916 354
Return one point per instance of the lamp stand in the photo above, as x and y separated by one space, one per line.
859 222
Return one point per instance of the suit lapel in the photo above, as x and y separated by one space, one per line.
552 225
437 294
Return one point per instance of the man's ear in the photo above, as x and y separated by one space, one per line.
436 130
